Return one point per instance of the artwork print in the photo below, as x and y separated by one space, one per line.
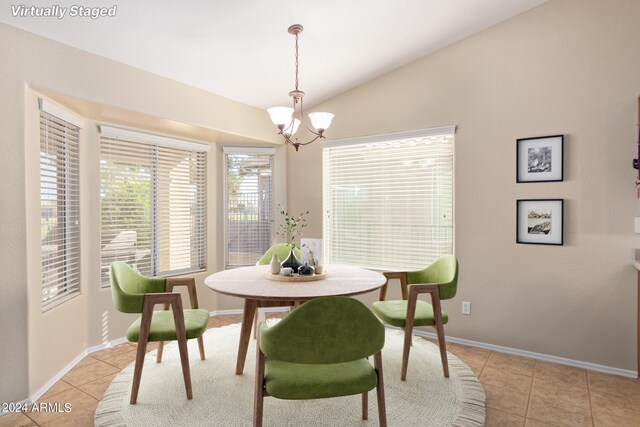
539 159
539 221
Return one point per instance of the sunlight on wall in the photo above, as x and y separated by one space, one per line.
105 327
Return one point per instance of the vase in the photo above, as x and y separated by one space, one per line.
275 264
292 261
306 270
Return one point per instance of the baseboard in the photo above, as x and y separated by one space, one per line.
240 311
109 344
533 355
34 397
225 312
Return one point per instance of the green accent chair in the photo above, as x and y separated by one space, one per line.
321 350
282 250
440 279
133 293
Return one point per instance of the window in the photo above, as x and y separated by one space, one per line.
152 203
248 204
59 204
388 199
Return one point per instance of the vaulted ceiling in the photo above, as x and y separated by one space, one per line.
241 49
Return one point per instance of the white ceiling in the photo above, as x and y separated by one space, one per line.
241 49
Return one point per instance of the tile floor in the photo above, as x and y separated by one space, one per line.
520 391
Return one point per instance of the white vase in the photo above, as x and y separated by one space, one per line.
275 264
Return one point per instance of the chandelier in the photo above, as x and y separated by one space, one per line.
285 117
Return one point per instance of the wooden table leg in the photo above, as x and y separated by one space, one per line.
245 333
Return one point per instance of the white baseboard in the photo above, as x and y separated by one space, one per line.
533 355
109 344
225 312
34 397
240 311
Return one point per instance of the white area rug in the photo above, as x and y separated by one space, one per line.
221 398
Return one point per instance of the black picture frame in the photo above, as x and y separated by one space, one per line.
540 159
526 224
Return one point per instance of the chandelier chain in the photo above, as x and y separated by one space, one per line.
296 61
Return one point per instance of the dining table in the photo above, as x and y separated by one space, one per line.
258 289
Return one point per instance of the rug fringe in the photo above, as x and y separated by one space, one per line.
109 410
472 410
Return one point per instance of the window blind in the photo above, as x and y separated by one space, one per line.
59 209
152 206
389 201
248 205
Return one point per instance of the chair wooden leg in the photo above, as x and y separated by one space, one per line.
437 310
408 334
365 405
255 324
159 353
143 337
258 395
382 409
181 335
201 347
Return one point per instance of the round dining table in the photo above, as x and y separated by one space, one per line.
259 290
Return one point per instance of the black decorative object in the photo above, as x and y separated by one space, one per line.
306 270
292 261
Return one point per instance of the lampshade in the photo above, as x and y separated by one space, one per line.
295 125
321 120
280 115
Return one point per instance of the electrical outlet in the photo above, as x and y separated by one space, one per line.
466 307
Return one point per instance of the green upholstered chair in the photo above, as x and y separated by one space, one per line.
440 279
282 250
320 350
134 293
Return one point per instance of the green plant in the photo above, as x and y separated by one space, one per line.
291 227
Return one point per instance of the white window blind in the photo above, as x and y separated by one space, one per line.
388 200
152 204
248 205
60 209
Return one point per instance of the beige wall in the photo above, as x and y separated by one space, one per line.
570 67
35 346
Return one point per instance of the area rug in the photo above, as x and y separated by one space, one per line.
221 398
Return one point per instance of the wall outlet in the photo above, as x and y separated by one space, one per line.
466 307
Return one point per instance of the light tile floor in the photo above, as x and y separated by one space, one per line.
520 391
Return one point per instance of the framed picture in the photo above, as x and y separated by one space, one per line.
540 159
540 221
